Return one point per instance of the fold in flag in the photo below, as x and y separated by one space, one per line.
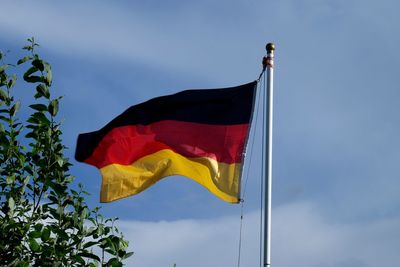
199 134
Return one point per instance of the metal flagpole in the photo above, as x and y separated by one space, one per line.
269 95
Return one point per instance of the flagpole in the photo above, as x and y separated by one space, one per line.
269 95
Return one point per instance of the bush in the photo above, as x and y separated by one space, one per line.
43 222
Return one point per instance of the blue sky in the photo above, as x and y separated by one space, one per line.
336 173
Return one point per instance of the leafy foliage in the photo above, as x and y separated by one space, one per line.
43 222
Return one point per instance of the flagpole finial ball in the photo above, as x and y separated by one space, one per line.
270 47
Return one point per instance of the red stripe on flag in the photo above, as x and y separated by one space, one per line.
124 145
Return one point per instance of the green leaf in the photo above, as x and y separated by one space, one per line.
11 206
24 59
127 255
12 81
84 213
88 255
3 95
45 234
23 263
32 135
69 179
53 199
49 75
34 79
38 227
39 118
30 71
26 180
67 202
10 179
2 130
114 262
53 107
35 234
39 107
43 90
34 245
27 47
89 244
28 77
38 63
5 119
79 260
60 162
3 67
58 188
14 109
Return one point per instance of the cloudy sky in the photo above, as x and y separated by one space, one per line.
336 170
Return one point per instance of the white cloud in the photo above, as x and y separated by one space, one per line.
301 237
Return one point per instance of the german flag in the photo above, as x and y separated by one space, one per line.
200 134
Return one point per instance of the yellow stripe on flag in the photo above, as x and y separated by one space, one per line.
221 179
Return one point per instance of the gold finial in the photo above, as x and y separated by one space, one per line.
270 47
